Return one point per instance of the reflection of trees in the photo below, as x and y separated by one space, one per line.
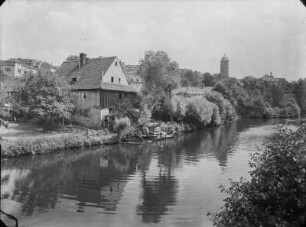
160 191
79 177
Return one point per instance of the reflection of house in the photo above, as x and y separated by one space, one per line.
93 185
135 80
100 84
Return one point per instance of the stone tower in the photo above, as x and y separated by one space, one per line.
224 66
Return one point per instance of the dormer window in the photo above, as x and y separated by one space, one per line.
112 79
74 79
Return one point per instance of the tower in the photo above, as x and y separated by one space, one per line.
224 66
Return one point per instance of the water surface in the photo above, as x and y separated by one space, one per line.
168 183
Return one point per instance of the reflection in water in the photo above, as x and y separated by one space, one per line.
97 179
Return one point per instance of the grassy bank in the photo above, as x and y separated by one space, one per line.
46 145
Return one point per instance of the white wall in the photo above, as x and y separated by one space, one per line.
116 72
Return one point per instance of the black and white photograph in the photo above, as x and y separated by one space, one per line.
153 113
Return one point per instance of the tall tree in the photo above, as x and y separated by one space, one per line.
300 94
160 78
45 98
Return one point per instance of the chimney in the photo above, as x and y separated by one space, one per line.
82 59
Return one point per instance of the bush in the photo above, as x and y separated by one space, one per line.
276 193
227 111
123 127
199 110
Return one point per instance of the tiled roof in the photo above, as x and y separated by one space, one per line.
132 73
90 74
67 67
7 63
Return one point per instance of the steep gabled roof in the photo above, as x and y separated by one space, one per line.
67 67
90 74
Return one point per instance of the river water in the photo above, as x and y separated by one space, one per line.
167 183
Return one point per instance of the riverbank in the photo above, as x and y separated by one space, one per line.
20 140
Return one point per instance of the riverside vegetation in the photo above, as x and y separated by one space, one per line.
60 142
46 100
275 195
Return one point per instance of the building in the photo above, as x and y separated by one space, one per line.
19 67
134 78
100 86
16 69
36 64
224 66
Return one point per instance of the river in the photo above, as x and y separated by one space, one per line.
167 183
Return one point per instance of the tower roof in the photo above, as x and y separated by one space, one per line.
224 58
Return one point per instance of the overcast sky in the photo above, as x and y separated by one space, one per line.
258 36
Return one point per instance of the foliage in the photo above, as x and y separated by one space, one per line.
209 80
7 85
201 111
262 97
145 116
300 94
123 127
190 78
47 144
44 98
227 111
290 107
159 74
276 193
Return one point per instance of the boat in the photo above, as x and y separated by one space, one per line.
158 134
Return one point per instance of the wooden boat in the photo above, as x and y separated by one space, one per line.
158 134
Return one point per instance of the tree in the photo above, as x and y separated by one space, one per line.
160 78
45 99
208 80
276 193
300 94
190 78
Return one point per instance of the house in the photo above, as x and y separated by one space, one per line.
15 68
134 78
36 64
100 86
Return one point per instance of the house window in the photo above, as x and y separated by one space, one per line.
116 63
84 95
74 79
120 95
7 70
119 80
112 79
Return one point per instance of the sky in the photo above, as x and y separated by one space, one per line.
258 37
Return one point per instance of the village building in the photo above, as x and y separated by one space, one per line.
19 67
134 78
16 69
100 86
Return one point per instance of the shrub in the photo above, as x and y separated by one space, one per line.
276 193
123 127
199 110
226 110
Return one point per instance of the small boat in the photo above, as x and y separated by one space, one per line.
158 134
